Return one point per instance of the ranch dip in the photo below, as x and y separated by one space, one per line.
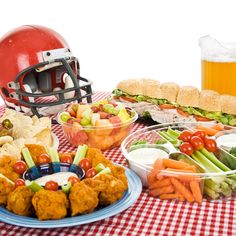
60 177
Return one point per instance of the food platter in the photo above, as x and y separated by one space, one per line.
129 198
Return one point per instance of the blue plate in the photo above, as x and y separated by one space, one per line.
128 199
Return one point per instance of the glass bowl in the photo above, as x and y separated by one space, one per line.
103 138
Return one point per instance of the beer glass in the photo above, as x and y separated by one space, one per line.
218 65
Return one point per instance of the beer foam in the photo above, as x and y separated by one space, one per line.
222 57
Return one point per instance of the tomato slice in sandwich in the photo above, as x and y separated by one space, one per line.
128 99
182 113
200 118
167 106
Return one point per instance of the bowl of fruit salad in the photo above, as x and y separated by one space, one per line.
101 124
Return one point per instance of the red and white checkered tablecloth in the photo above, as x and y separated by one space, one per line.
148 216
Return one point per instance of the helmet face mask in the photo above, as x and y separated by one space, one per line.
53 81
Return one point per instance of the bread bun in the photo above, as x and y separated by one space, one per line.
188 96
209 100
130 86
228 104
151 88
169 91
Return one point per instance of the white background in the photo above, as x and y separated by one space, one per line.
116 40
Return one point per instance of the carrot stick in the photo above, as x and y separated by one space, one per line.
169 163
165 196
218 126
208 131
182 189
181 197
192 168
151 178
160 183
157 167
196 191
180 170
158 191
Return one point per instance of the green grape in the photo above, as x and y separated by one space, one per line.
84 121
65 116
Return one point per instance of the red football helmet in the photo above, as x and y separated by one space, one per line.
37 69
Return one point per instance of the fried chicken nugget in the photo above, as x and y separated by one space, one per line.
83 199
113 191
95 184
50 205
20 201
36 150
96 157
6 167
5 189
119 173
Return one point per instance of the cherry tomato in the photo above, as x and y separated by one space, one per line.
66 158
19 182
200 134
185 136
20 167
186 148
90 173
210 145
196 142
86 164
51 185
73 179
44 158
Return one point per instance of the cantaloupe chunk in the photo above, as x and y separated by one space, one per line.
81 109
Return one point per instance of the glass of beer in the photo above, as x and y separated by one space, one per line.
218 65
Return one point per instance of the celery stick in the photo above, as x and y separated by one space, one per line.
173 133
53 154
66 188
99 167
211 193
107 170
172 140
28 159
226 190
33 186
208 165
5 178
212 185
213 159
80 154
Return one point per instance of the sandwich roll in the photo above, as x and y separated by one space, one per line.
131 86
151 88
188 96
169 91
209 100
228 104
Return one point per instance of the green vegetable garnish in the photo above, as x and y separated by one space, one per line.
107 170
53 154
99 167
33 186
28 159
80 154
66 188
